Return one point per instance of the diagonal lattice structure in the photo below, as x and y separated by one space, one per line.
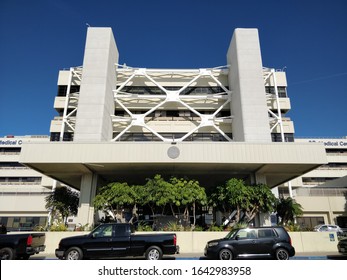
153 76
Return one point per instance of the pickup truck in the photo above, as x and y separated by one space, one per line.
21 246
116 240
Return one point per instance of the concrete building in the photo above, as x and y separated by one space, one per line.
323 191
126 124
22 190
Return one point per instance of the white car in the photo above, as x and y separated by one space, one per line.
334 228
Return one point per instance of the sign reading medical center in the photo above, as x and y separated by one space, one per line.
12 142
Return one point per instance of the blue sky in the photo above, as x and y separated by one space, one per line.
40 37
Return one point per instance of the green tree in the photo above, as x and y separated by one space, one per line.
188 193
260 199
287 209
159 193
236 196
63 201
232 196
114 197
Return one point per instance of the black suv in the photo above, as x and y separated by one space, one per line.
263 242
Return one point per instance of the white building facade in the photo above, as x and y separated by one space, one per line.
22 190
121 123
323 191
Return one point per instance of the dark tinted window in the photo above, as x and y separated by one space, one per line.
266 233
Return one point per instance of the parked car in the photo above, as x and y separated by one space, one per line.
264 242
342 246
331 228
20 246
116 240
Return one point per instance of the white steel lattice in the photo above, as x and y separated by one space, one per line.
128 75
71 101
275 119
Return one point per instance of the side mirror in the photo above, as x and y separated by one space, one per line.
237 237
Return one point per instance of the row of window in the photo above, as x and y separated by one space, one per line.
36 180
187 91
11 165
208 137
282 91
214 137
55 136
318 180
23 223
172 113
277 137
62 90
10 151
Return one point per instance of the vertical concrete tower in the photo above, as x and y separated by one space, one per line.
248 106
96 100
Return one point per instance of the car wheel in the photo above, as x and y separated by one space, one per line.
74 253
281 254
7 254
154 253
225 254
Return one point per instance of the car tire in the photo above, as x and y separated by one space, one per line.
7 254
154 253
281 254
74 253
225 254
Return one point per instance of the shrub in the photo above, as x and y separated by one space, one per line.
58 227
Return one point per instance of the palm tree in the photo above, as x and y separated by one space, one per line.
64 201
287 209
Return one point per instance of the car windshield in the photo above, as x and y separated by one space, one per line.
231 234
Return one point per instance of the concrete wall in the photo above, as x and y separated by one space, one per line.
96 101
248 104
194 242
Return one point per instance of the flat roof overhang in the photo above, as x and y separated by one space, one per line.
212 163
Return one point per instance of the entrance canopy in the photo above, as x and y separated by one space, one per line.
211 163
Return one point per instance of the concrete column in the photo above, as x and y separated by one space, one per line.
88 189
248 103
96 100
263 219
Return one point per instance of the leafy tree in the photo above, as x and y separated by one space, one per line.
188 193
287 209
236 196
232 196
63 201
159 193
260 199
113 197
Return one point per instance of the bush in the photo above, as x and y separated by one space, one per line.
58 227
213 227
198 228
292 227
143 226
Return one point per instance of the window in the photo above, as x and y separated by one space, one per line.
246 234
282 91
103 231
288 137
309 222
265 233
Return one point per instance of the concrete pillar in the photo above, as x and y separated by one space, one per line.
88 189
248 103
96 98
